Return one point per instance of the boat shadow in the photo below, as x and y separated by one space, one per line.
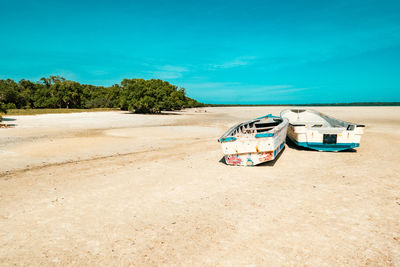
292 145
265 164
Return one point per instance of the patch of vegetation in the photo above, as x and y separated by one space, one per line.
55 92
16 112
3 108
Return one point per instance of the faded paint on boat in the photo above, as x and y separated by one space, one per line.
314 130
254 142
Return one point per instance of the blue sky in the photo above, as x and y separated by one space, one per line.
249 52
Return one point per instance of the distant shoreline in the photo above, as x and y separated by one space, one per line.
38 111
352 104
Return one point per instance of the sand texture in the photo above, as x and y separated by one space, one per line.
118 189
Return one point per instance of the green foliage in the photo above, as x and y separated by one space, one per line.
3 108
151 96
138 95
37 111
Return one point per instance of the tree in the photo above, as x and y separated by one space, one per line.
52 80
138 95
67 94
3 108
27 91
152 96
43 97
10 92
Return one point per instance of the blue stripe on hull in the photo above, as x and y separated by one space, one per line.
326 147
278 149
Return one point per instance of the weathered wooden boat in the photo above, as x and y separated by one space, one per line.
254 142
312 129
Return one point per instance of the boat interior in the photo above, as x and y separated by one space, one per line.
262 125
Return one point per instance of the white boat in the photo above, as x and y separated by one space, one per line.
254 142
312 129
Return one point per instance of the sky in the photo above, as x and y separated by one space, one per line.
228 52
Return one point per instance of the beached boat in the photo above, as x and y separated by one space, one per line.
312 129
254 142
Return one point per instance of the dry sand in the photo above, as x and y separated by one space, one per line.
113 188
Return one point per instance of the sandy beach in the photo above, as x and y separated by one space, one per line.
114 188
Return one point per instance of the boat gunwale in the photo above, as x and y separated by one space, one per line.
320 114
228 137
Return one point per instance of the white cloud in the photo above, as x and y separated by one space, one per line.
99 72
168 72
237 62
218 92
173 68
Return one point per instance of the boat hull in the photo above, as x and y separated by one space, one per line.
252 159
317 131
256 148
325 147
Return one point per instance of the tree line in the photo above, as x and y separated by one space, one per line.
137 95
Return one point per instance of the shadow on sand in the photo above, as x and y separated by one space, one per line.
292 145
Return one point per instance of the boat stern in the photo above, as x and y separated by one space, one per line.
249 159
